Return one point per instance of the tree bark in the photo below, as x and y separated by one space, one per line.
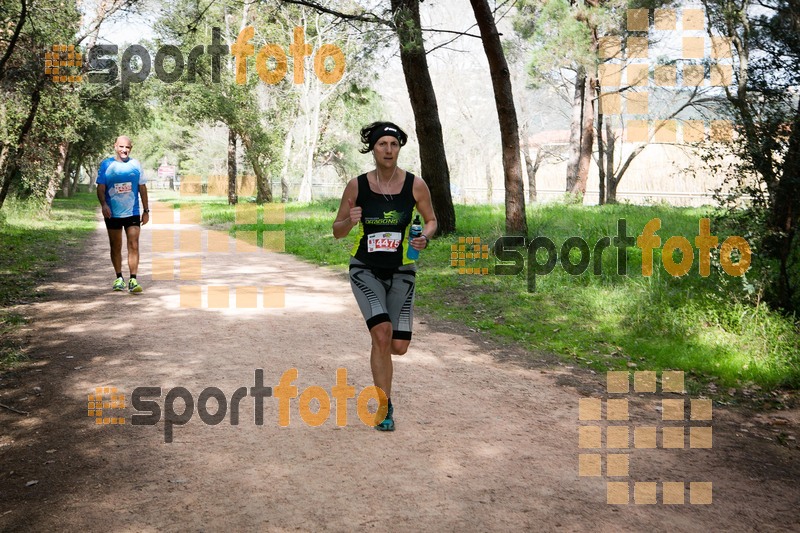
14 38
426 111
311 109
91 169
587 136
53 184
612 182
287 152
531 166
601 163
233 197
516 222
75 170
263 185
62 170
575 129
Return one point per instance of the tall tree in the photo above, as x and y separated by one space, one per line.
564 33
432 156
405 21
764 37
40 119
516 222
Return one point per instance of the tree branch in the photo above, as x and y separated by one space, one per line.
22 16
369 17
103 15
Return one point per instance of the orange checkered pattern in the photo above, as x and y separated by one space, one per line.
98 404
472 249
634 67
619 436
59 59
178 247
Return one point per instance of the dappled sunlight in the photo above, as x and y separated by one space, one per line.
479 432
416 356
491 450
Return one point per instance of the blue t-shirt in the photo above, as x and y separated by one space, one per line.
122 180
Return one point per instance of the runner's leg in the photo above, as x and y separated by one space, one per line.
400 305
132 235
370 294
115 240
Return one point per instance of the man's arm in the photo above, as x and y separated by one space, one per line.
101 195
145 204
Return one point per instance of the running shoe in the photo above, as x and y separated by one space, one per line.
388 422
386 425
119 284
133 286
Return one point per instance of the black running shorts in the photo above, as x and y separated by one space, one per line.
125 222
385 296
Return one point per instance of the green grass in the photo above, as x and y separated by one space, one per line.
706 326
33 242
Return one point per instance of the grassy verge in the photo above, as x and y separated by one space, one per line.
703 325
33 242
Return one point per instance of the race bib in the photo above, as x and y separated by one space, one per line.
122 188
383 242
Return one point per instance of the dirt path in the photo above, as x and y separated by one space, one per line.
480 445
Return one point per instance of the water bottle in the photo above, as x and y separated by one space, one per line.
414 232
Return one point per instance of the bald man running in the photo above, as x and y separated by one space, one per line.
120 182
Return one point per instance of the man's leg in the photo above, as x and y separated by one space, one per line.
115 239
132 236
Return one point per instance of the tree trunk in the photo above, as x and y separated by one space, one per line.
23 15
311 112
601 162
287 152
575 129
587 136
5 150
7 161
62 169
75 170
263 185
611 180
516 222
56 180
233 197
426 111
91 169
532 168
18 151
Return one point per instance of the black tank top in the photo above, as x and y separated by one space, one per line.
383 232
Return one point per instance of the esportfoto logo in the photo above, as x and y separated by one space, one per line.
149 410
136 64
510 253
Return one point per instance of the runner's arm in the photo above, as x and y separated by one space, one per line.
145 204
422 195
104 207
347 211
